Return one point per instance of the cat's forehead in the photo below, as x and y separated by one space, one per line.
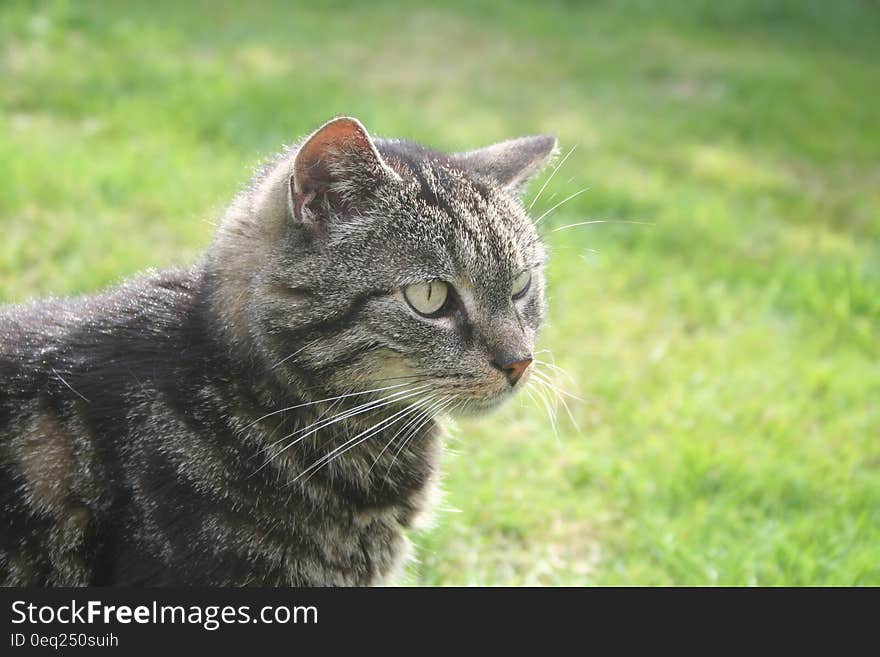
478 228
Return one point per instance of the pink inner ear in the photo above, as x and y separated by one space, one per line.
337 134
343 142
335 138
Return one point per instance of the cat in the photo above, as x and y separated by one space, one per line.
268 415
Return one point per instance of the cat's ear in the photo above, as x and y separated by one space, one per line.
511 164
333 169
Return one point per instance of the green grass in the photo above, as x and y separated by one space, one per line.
726 354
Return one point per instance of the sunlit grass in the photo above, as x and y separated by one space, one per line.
725 350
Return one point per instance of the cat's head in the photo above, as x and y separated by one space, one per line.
380 264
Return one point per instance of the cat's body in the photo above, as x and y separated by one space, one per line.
125 420
172 430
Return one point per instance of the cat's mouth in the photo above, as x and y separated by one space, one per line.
400 383
481 406
485 396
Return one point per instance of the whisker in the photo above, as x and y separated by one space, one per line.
319 401
552 417
312 428
72 389
550 177
603 221
560 397
434 412
561 391
324 421
568 412
287 358
561 203
528 391
556 368
347 445
357 410
402 377
409 423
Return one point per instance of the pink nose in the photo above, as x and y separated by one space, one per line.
514 369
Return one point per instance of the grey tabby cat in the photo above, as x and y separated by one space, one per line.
267 415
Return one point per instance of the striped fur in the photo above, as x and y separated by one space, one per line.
143 433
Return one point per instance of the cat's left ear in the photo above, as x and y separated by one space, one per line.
513 163
334 169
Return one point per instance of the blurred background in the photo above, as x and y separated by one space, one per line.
723 352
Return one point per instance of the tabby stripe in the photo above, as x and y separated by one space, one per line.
349 357
332 325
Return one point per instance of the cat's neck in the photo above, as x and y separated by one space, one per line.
371 449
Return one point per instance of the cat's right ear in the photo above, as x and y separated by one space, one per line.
511 164
336 166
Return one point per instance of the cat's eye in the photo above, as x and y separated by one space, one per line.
521 284
428 298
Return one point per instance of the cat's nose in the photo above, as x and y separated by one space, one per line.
514 369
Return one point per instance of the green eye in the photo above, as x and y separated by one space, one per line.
521 284
427 298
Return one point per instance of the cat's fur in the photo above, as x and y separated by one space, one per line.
143 436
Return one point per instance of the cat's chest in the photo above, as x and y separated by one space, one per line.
330 536
346 522
335 545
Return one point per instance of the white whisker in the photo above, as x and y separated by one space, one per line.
318 401
408 424
558 369
550 414
560 397
72 389
403 443
361 437
312 429
550 177
287 358
603 221
546 379
349 412
561 203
